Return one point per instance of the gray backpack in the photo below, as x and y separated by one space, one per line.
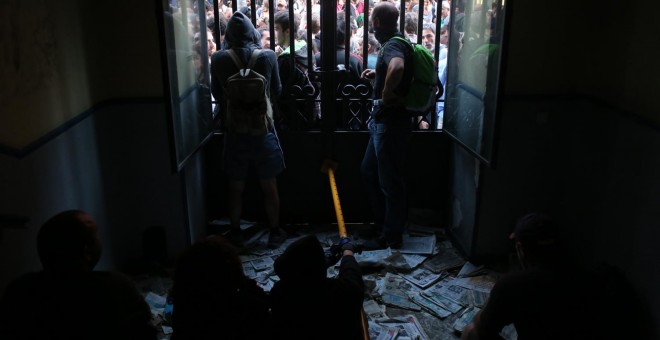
248 107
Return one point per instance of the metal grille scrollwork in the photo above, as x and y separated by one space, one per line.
356 104
302 109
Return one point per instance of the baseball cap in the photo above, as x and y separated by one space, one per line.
535 228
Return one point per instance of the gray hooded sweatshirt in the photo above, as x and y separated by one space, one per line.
243 38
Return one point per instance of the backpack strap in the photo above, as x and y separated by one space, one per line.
408 43
234 57
253 58
239 63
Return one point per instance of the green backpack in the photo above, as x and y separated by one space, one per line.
425 86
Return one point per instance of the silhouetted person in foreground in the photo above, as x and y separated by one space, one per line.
550 298
67 299
212 297
308 305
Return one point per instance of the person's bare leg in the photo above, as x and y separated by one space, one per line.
271 201
272 205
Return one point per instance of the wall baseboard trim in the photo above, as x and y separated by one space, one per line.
22 152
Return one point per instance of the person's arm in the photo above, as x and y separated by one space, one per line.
497 313
393 77
284 72
476 331
216 85
275 82
349 270
359 65
368 74
350 276
471 331
422 124
134 315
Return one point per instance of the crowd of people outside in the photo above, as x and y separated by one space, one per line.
436 15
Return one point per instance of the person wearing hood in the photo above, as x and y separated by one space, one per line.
306 304
245 150
212 297
384 159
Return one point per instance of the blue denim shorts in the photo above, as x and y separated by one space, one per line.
243 151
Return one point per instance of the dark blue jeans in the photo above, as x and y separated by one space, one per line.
383 173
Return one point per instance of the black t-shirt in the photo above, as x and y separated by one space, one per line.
393 48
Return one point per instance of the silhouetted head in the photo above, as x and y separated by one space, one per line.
411 23
386 14
222 21
341 33
264 34
374 45
302 261
282 26
536 239
69 241
247 11
209 268
384 20
209 292
241 33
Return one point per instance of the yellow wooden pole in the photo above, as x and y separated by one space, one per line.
335 200
329 167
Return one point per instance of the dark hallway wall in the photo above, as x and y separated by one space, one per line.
590 167
116 165
112 159
579 138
